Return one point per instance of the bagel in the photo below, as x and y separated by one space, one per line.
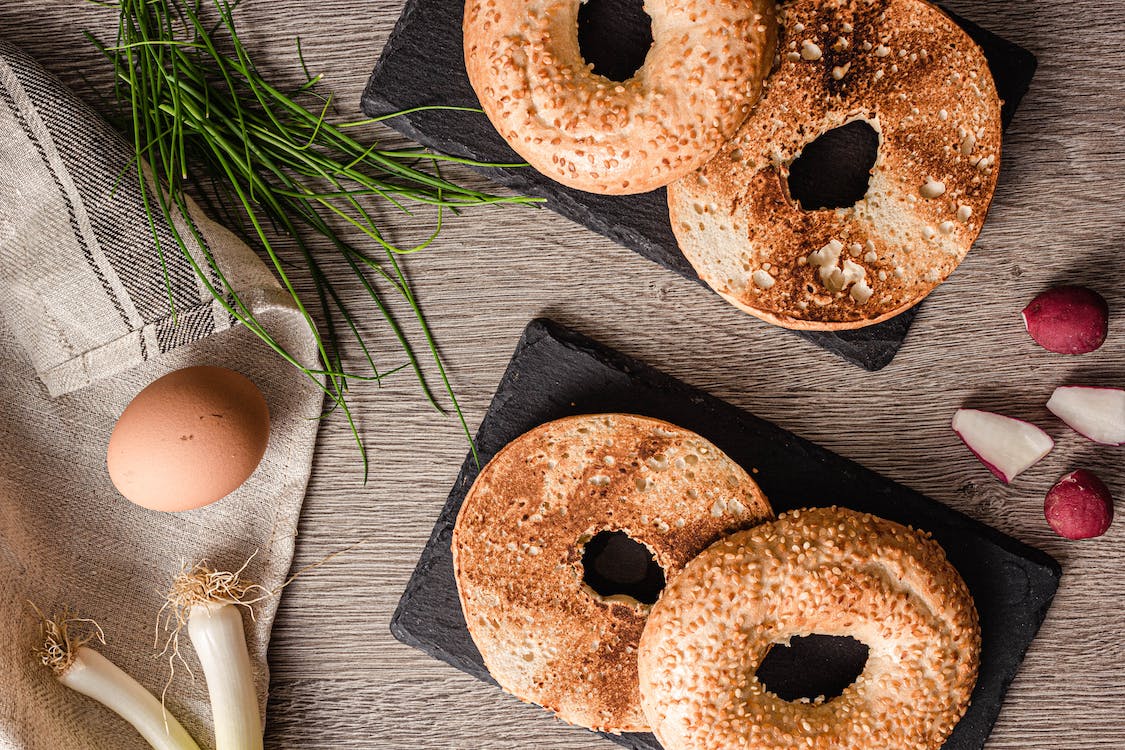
829 571
698 82
924 86
545 635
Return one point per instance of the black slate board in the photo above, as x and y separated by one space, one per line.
556 372
423 64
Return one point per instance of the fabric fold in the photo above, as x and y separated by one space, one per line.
89 314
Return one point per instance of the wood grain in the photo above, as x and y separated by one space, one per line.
339 679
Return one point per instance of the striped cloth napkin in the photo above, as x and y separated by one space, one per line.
85 323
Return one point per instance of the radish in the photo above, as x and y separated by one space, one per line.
1079 506
1005 445
1068 320
1093 412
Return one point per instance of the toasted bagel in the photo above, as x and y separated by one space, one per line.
924 86
545 635
829 571
698 82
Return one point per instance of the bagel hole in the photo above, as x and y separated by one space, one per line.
613 563
614 36
812 666
834 170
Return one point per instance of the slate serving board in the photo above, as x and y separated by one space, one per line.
556 372
423 64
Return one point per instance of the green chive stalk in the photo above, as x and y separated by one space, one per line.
198 105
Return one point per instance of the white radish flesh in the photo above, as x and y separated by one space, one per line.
1007 446
93 675
219 638
1095 413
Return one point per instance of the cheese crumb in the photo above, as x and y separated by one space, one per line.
861 292
968 144
810 51
933 189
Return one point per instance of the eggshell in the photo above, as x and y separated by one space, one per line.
188 439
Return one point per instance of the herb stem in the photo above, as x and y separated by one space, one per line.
197 104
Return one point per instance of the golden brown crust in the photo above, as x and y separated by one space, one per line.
913 74
829 571
545 636
698 82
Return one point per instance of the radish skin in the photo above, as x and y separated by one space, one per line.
1079 506
1068 320
95 676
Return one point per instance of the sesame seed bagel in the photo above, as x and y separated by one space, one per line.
924 86
546 636
830 571
699 80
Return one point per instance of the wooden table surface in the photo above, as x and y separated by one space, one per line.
339 680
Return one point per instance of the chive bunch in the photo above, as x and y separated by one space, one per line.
198 106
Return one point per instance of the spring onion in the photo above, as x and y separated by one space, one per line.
84 670
209 604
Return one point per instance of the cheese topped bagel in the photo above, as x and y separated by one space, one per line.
910 72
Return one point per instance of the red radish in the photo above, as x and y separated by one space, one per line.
1093 412
1068 320
1079 506
1005 445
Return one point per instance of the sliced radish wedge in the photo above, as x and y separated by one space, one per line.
1005 445
1095 413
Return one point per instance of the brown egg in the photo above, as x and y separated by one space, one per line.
189 439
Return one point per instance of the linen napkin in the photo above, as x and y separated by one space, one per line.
85 323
